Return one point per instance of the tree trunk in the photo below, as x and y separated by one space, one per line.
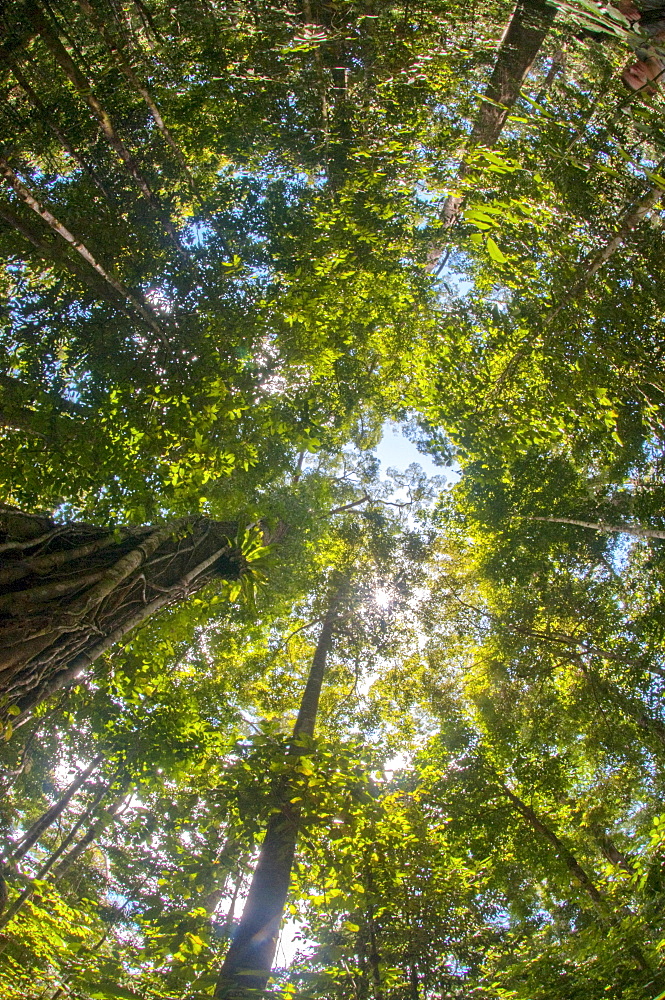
28 198
414 984
91 834
30 838
81 85
575 869
521 43
611 851
524 37
69 591
566 856
374 958
632 218
635 710
127 70
47 118
73 855
621 529
249 959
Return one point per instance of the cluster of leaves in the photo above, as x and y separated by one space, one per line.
260 304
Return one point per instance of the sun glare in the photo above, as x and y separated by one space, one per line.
382 598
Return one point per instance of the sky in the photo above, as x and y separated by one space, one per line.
395 451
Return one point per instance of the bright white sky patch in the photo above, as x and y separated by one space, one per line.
382 598
395 451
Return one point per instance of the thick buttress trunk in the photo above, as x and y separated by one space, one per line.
521 43
249 959
70 591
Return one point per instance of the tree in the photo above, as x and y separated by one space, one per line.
249 959
215 222
71 591
521 43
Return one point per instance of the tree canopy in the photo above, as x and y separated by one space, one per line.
277 721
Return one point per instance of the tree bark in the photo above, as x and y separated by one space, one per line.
248 962
91 834
72 590
634 710
374 958
58 227
30 838
621 529
48 252
566 856
521 43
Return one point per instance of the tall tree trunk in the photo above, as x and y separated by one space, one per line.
414 984
49 253
633 708
521 43
93 831
611 851
81 85
633 216
621 529
249 959
70 591
47 119
374 958
127 70
566 856
73 855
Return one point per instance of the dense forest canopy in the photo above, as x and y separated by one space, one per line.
276 720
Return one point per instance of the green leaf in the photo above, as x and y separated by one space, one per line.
110 991
494 251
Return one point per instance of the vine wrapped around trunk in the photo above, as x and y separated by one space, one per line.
69 591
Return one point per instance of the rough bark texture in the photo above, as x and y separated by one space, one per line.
126 68
249 959
69 591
